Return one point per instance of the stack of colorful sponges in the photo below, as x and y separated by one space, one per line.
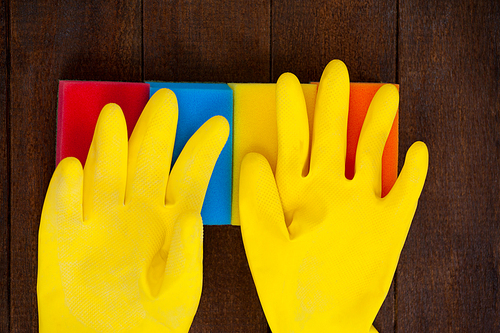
248 107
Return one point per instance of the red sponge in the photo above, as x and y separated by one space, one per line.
80 103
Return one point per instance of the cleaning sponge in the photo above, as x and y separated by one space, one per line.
255 129
80 103
197 103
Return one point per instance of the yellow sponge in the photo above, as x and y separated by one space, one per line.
255 129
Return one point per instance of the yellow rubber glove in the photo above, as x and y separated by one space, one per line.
323 249
120 242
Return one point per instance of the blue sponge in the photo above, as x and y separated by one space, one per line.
198 102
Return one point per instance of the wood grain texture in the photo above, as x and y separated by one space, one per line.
229 302
308 35
449 68
207 41
4 173
54 40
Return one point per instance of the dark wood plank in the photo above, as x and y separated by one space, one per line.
214 41
307 35
229 302
4 173
54 40
449 69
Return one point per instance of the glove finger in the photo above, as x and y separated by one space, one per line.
293 130
403 197
373 136
260 206
330 120
263 230
150 148
191 173
408 187
105 170
63 202
64 195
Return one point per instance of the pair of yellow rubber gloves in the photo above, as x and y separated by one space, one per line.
120 243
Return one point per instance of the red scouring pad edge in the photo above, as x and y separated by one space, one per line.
80 103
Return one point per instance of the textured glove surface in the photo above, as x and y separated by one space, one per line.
120 242
323 249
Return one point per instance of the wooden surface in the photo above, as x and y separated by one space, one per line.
207 41
4 174
444 54
449 72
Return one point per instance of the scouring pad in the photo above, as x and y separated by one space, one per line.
79 106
